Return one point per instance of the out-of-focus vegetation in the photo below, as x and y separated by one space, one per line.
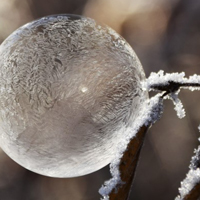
165 34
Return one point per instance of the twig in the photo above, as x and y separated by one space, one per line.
172 87
124 166
170 84
194 194
127 166
190 187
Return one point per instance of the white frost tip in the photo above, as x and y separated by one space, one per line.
178 105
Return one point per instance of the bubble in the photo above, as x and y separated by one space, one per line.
69 88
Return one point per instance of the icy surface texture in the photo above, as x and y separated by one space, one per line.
70 89
150 112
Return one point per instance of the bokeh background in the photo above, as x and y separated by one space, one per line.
165 34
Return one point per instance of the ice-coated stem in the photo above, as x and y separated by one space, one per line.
171 83
127 166
194 194
173 86
190 186
124 166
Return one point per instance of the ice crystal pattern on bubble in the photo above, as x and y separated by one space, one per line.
68 87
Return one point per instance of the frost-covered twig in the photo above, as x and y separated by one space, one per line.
170 83
123 166
190 186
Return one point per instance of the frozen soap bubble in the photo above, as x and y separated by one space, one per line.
69 88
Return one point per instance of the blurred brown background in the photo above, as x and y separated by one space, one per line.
165 34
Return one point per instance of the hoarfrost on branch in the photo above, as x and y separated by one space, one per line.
150 113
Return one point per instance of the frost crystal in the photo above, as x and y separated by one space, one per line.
178 105
163 79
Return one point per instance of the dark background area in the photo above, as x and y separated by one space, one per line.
165 34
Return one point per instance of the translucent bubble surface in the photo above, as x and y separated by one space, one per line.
69 87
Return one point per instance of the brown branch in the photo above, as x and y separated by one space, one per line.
194 194
128 166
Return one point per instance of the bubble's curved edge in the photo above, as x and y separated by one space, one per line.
55 174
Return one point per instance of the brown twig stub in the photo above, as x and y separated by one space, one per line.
128 165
